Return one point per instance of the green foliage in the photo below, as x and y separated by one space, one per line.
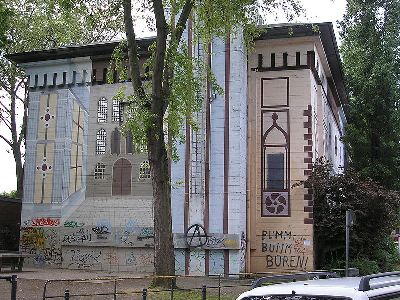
365 266
5 15
373 79
376 212
11 194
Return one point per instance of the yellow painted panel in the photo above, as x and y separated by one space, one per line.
51 131
275 92
79 179
44 173
72 176
74 132
42 111
47 117
79 156
75 114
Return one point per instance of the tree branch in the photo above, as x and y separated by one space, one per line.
7 141
177 35
133 51
159 61
181 24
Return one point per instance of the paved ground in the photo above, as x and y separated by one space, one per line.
32 281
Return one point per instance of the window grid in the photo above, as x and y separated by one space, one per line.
116 111
101 138
102 110
99 171
144 171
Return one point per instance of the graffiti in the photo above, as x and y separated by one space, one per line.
101 230
81 236
272 234
43 243
196 236
287 261
285 250
242 252
45 222
146 233
73 224
84 259
33 238
130 259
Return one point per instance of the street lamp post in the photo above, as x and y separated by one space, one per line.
349 222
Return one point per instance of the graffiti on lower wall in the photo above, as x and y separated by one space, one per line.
285 250
44 243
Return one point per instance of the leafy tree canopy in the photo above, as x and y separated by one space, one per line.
371 57
376 212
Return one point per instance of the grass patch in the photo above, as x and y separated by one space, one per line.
184 295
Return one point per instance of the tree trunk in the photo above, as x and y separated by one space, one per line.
164 258
15 140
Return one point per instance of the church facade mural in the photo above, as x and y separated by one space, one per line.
88 195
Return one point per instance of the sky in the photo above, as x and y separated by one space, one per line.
316 11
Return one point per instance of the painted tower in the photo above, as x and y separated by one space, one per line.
88 195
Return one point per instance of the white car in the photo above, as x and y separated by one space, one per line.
382 286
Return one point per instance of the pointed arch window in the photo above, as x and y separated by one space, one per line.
102 110
275 166
144 170
115 142
129 143
101 138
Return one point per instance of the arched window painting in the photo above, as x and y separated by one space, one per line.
144 170
275 164
101 137
115 142
102 110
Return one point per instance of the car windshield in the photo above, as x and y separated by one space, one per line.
294 297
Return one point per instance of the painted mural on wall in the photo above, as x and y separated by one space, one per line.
286 250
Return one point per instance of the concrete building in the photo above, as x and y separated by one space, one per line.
87 194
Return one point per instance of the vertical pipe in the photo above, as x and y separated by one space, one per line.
204 293
14 287
347 241
219 286
66 295
115 289
144 294
172 288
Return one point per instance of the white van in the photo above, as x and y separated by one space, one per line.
383 286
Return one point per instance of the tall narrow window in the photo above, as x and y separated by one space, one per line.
275 166
99 171
116 111
101 137
129 143
102 110
115 142
144 171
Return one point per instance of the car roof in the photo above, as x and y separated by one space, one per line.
334 287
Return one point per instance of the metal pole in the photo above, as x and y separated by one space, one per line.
172 289
347 241
115 289
204 293
219 286
14 287
66 295
144 294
